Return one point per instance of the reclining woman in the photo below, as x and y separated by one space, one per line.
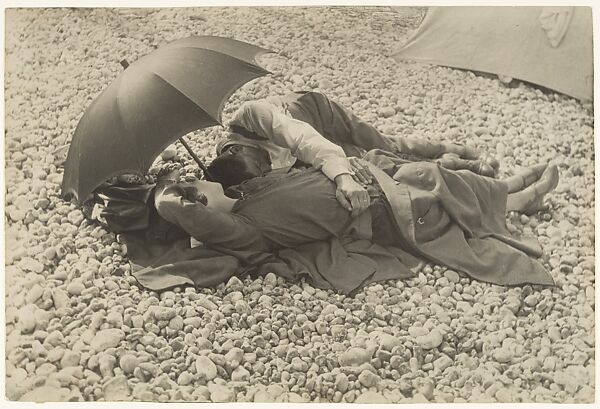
418 211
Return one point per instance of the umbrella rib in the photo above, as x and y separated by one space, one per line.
260 71
182 93
140 158
121 122
258 53
169 141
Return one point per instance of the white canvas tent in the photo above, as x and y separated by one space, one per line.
548 46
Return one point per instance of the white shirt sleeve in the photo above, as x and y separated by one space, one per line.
299 137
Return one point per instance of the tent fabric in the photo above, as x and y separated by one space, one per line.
547 46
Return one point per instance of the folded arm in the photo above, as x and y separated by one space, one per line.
308 145
204 224
299 137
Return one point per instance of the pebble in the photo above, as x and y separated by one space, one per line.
442 362
70 358
452 276
60 298
299 365
16 215
217 359
203 344
185 378
431 340
106 364
195 322
169 153
368 379
128 363
354 357
18 375
55 354
176 323
115 319
27 322
297 80
387 112
531 300
205 368
54 338
341 383
220 393
75 217
234 284
45 369
503 355
415 331
164 313
31 265
326 84
275 391
504 396
164 353
234 357
270 279
137 321
554 334
207 304
107 338
117 389
45 394
241 307
426 389
385 341
371 397
240 374
142 392
75 287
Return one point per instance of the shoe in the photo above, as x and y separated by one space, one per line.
491 161
479 167
453 162
531 175
546 183
533 206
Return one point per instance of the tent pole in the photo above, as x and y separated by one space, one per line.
196 158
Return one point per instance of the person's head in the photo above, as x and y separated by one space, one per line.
237 163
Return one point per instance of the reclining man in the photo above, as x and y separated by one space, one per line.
306 128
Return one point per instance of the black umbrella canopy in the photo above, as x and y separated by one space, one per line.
176 89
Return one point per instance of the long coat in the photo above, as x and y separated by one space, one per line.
453 218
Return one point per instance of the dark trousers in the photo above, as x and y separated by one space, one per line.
354 135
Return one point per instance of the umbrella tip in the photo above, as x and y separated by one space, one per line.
124 63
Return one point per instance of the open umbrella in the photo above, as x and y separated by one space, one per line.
176 89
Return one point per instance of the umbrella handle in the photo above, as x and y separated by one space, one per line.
196 158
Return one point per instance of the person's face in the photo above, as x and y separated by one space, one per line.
256 161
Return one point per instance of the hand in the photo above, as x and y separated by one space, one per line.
362 174
167 175
352 196
463 151
192 194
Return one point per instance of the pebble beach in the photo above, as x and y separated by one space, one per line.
80 328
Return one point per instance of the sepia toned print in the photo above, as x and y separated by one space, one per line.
448 259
